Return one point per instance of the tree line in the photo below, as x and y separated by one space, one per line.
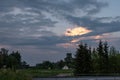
67 61
103 59
100 60
11 60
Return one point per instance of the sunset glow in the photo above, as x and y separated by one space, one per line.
77 31
77 39
66 45
106 35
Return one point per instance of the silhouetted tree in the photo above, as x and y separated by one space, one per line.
4 57
9 60
82 60
106 58
95 59
60 64
113 60
24 65
45 65
69 60
103 57
117 70
14 60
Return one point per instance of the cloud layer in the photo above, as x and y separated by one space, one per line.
34 24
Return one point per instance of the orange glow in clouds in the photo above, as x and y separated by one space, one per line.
77 31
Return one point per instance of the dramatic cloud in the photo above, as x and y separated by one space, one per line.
97 25
26 17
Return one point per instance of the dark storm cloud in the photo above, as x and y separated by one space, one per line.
22 20
39 41
66 6
18 17
97 25
90 6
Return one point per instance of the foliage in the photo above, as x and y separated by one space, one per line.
45 65
102 51
100 60
82 60
69 60
10 60
6 74
59 65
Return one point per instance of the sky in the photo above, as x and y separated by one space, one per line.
48 29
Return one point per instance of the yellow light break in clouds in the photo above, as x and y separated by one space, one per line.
77 31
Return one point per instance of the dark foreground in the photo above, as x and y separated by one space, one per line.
81 78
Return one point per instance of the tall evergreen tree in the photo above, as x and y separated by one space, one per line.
95 60
82 60
113 60
106 58
100 54
103 57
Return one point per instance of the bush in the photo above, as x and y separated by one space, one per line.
13 75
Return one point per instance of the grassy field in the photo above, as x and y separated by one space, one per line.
7 74
28 74
46 73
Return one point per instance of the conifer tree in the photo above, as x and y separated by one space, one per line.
113 60
106 59
103 57
82 60
100 54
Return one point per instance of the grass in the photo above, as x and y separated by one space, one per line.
7 74
28 74
46 73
